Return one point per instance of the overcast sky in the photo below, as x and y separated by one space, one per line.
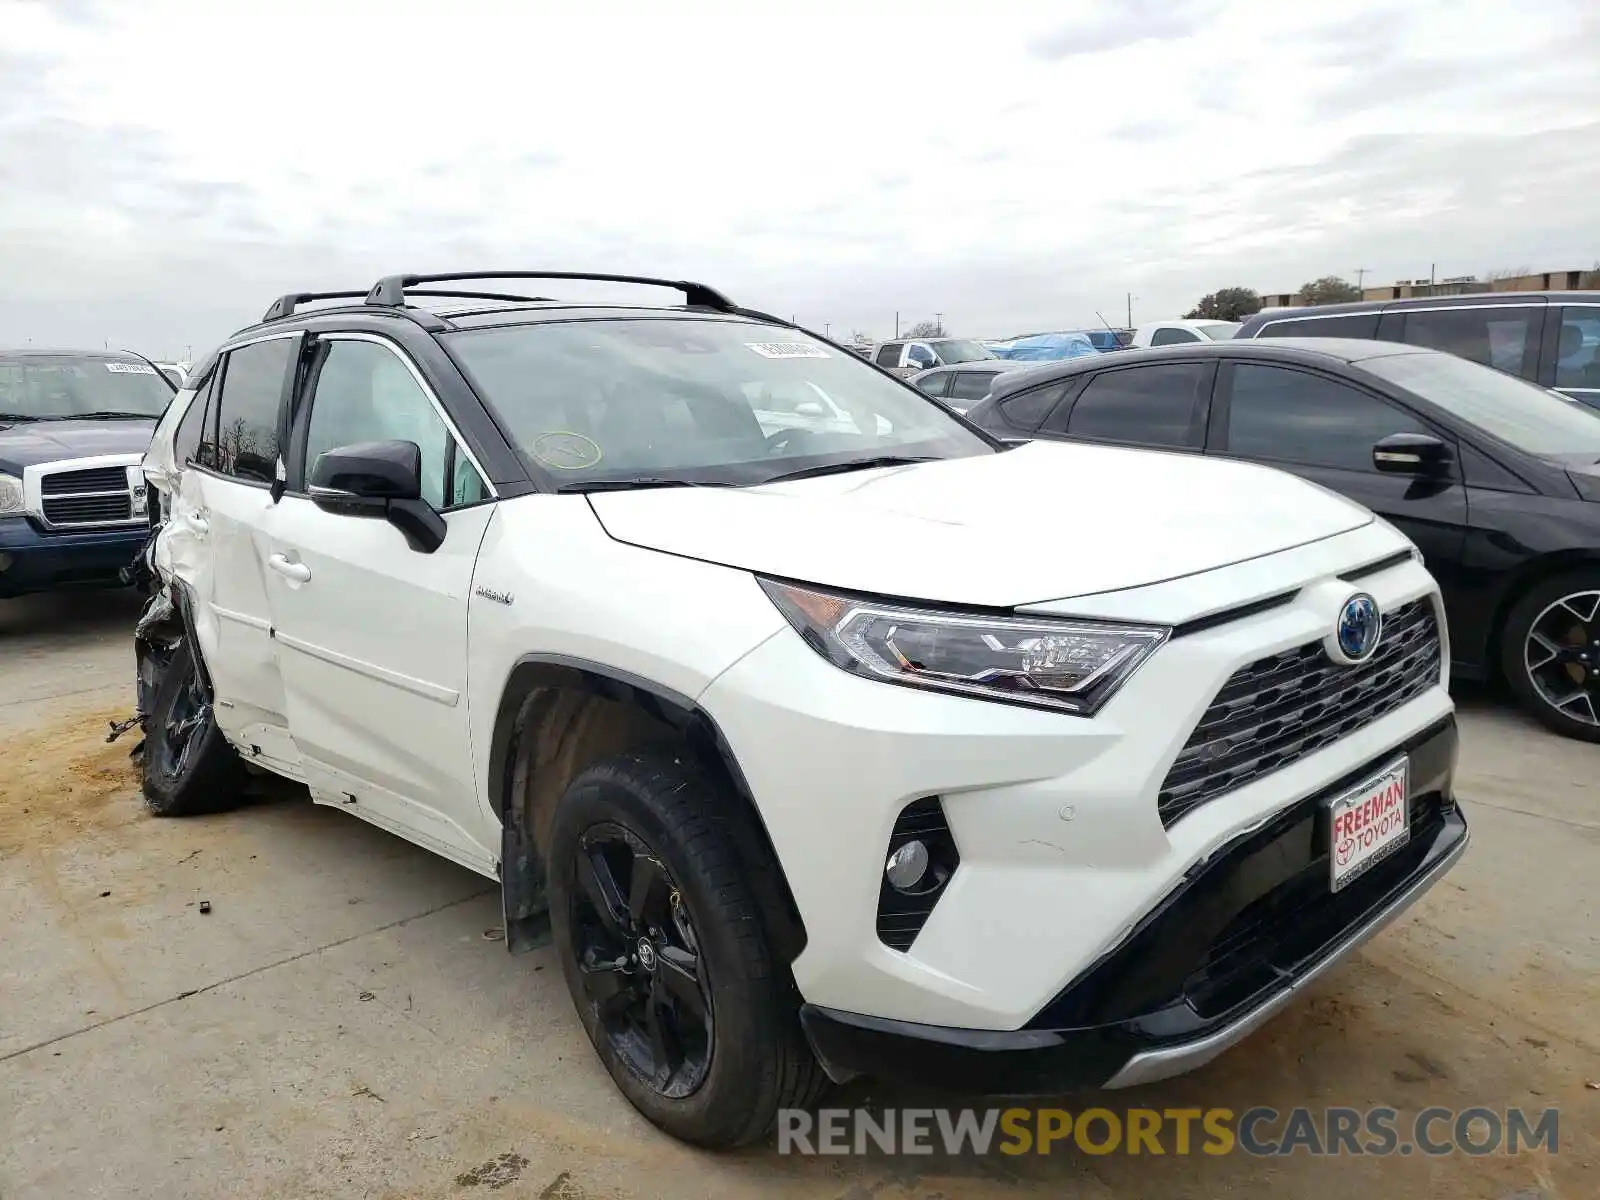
167 166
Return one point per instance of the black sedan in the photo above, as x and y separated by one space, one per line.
1496 480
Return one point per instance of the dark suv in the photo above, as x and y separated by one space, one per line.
74 426
1548 338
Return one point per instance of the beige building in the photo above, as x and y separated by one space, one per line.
1461 285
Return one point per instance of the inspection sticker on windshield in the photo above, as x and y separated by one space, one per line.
787 350
130 369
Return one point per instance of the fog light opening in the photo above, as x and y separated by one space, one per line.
907 866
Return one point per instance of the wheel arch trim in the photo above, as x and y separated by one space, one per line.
522 875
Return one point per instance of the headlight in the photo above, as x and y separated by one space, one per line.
1069 666
10 495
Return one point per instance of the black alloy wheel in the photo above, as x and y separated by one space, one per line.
640 962
1561 654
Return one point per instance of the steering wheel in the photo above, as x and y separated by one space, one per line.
786 439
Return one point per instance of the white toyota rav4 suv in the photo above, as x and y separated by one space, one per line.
880 749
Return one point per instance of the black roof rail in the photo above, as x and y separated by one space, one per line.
285 305
390 291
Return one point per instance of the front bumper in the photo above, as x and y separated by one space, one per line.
1246 931
31 561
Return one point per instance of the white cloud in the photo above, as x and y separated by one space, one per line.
170 164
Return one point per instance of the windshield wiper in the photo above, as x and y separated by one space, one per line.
105 414
855 464
630 483
4 416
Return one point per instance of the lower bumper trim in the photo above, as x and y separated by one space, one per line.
1299 939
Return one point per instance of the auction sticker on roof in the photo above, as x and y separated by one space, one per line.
787 350
1368 824
117 368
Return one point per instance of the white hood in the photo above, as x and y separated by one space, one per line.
1045 521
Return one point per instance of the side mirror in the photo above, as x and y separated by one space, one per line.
379 479
1412 454
810 408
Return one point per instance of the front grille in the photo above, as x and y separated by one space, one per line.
93 479
1277 710
88 510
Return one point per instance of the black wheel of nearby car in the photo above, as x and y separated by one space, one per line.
189 768
668 956
1550 653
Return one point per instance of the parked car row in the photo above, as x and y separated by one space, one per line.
793 709
1495 480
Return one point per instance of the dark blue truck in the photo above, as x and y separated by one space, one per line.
74 426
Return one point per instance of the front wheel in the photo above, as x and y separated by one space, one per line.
667 955
1550 653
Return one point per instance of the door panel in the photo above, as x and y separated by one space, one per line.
244 668
373 639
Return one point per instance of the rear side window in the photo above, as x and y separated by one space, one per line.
1352 325
1296 417
241 440
971 385
1173 337
1578 351
1150 406
1506 338
935 385
888 355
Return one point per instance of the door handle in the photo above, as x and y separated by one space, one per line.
296 571
198 521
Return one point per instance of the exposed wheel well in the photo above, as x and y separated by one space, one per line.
1529 576
558 716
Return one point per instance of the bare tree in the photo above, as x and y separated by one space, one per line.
924 329
1503 279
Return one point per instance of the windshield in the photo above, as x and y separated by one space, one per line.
958 350
1529 417
679 399
60 387
1219 331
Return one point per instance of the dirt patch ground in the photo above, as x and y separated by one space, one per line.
339 1024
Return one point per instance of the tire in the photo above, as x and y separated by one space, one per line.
1560 617
645 817
188 766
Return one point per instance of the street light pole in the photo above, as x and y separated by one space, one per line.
938 323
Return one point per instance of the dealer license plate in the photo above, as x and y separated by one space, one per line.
1368 824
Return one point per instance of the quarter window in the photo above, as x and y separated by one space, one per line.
1296 417
935 385
241 439
186 442
1354 325
1151 406
1026 409
1173 337
365 393
1503 338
